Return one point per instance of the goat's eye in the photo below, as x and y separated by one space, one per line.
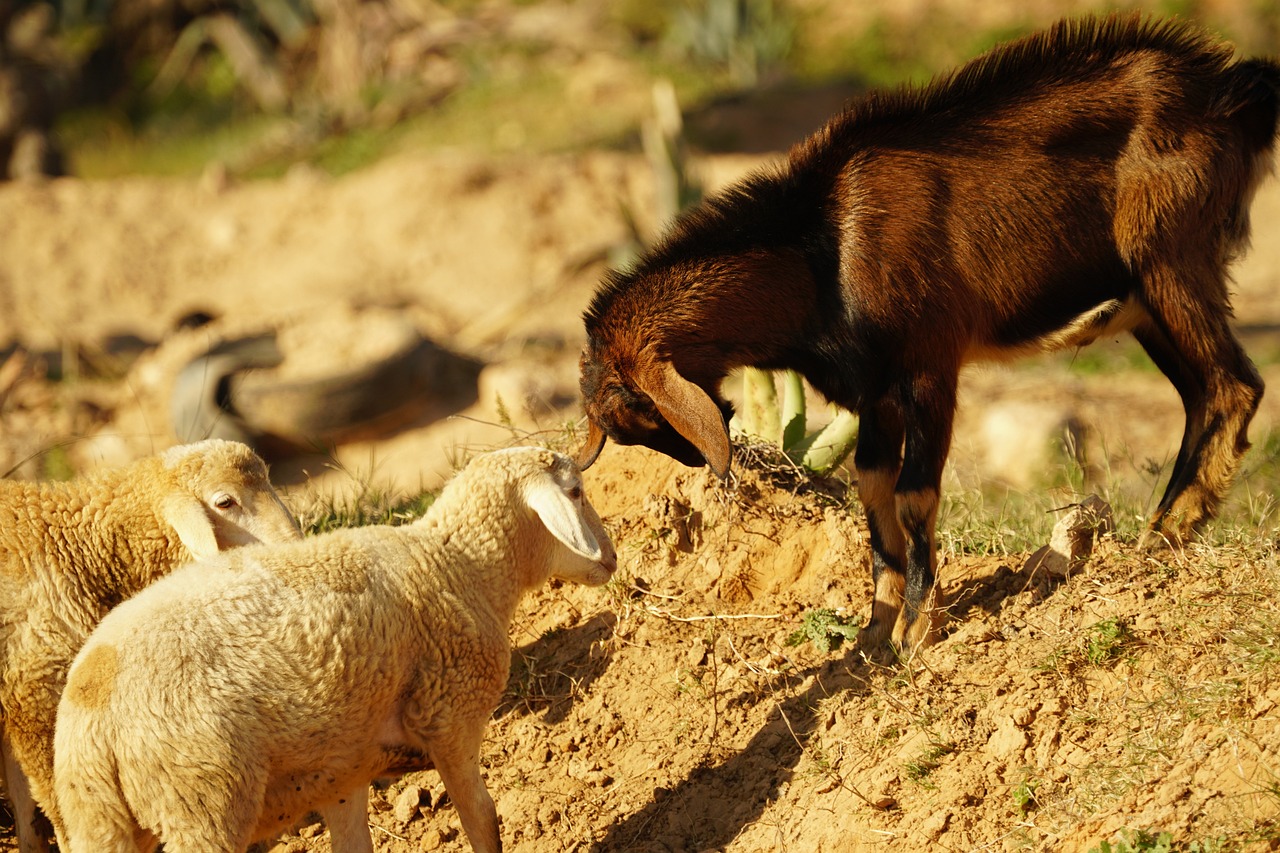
224 501
575 493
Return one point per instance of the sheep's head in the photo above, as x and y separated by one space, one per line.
548 486
221 497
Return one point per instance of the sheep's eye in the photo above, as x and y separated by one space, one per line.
224 501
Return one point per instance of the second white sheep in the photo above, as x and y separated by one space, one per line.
219 708
69 552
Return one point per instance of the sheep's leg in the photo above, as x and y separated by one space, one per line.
31 699
93 823
209 806
878 460
348 823
1193 345
930 402
24 805
458 762
104 839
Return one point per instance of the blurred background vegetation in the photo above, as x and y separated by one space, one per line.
101 88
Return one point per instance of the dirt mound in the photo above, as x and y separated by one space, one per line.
676 711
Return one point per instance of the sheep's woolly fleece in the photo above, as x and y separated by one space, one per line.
316 658
71 551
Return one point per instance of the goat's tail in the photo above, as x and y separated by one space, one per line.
1251 98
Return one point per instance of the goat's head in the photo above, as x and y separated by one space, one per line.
640 398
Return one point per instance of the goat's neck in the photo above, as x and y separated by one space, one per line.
745 310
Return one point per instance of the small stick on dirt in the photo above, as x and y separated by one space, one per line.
839 779
388 832
667 614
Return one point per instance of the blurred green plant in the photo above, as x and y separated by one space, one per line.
743 36
785 421
368 505
1106 641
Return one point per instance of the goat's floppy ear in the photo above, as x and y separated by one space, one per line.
690 410
186 515
594 444
562 517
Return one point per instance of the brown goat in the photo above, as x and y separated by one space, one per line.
1089 179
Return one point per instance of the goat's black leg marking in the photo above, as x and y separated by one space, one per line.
930 410
878 460
1220 387
1190 387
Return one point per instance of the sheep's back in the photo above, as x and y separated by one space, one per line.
290 626
99 533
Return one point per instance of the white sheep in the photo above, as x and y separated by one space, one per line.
219 707
69 552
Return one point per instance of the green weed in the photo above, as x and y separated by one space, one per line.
369 506
1106 641
1024 794
1145 841
825 628
919 769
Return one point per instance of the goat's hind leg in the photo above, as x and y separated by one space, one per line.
1191 342
878 460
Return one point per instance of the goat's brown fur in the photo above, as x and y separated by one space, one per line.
1092 178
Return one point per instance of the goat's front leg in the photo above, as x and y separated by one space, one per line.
878 460
929 401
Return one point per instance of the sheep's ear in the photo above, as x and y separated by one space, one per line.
562 517
186 515
690 410
594 444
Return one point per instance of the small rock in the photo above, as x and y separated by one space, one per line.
1073 538
697 654
1008 740
406 807
724 649
883 801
